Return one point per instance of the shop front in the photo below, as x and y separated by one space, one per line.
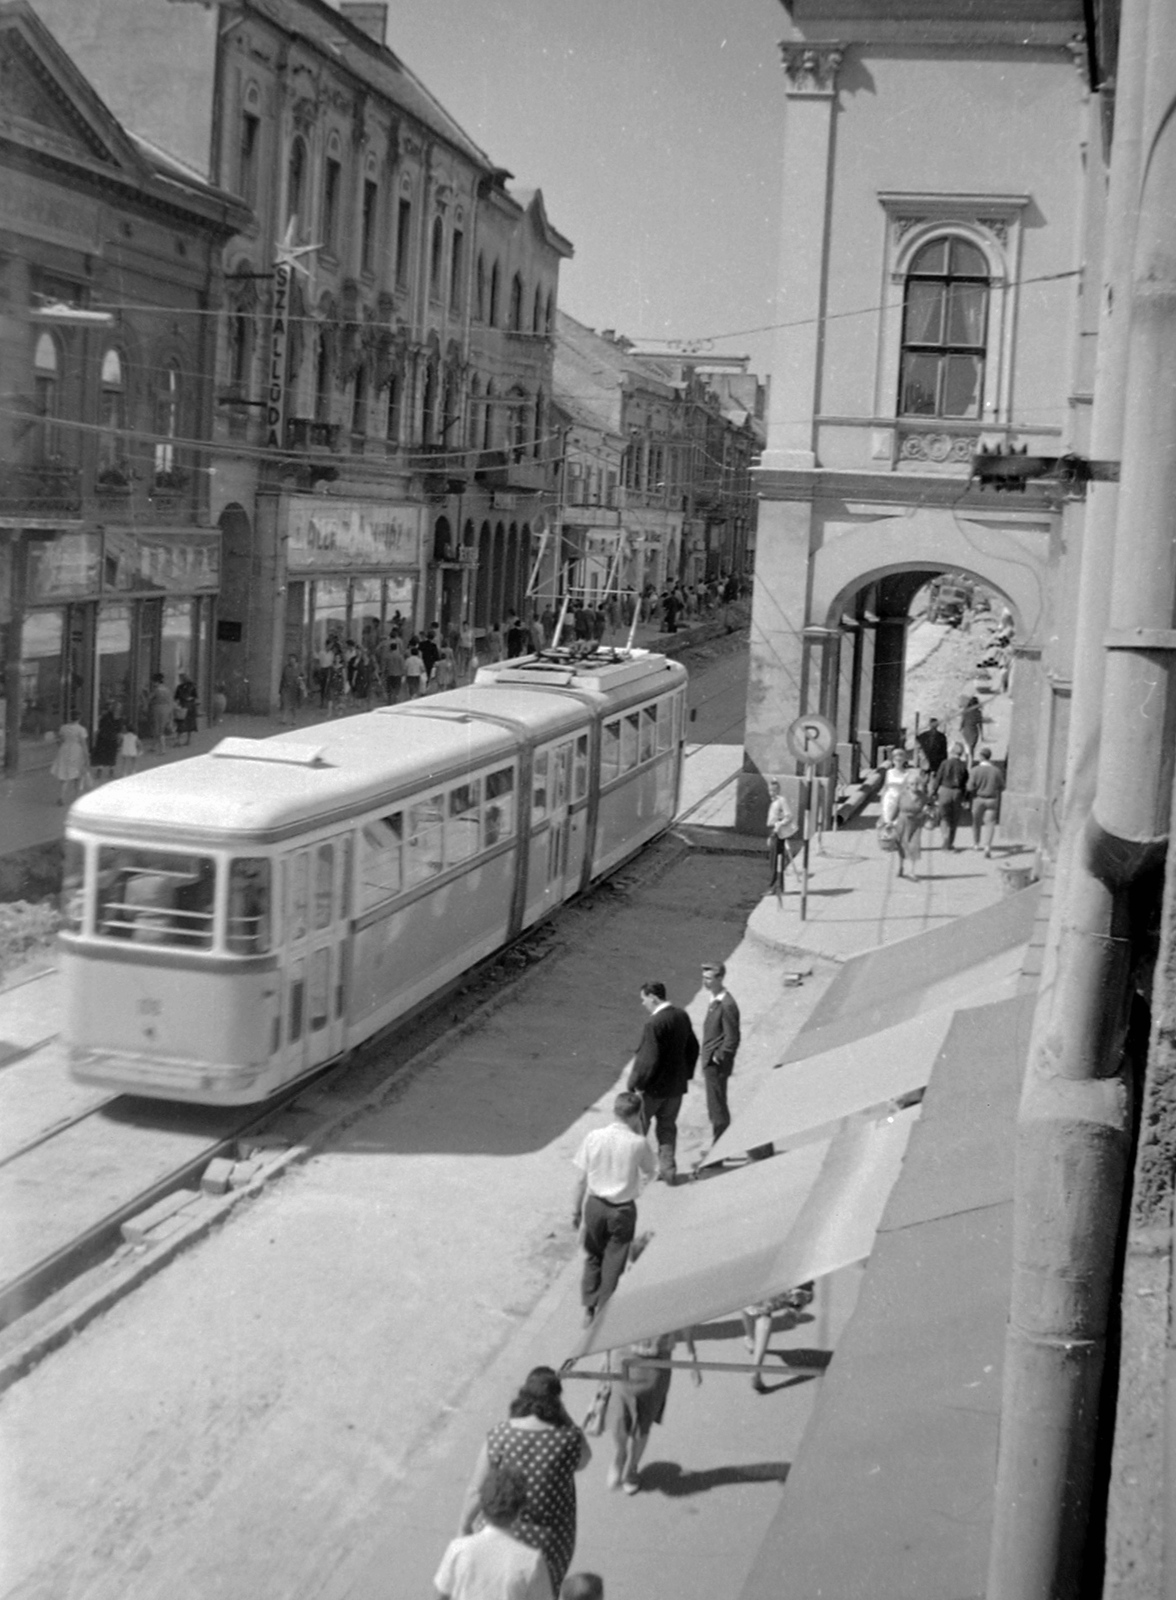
352 568
91 617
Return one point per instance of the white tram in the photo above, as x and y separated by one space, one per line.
238 919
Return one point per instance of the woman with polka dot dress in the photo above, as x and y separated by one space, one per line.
543 1442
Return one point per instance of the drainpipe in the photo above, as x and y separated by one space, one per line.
1073 1133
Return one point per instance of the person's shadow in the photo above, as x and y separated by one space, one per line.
670 1478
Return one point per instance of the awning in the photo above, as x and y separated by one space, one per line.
729 1241
805 1096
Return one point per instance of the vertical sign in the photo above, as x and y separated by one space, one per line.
275 393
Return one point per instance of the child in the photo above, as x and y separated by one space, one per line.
128 752
492 1561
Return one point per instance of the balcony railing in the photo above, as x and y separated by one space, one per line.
40 491
304 433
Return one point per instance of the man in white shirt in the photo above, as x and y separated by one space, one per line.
493 1564
612 1162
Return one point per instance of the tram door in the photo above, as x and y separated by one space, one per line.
316 963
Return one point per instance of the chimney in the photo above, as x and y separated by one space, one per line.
370 16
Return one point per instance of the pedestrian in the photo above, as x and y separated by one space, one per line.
71 765
220 703
985 786
582 1586
414 669
932 747
104 754
494 644
971 724
720 1041
951 782
781 830
290 691
160 710
187 705
494 1563
611 1162
638 1401
129 750
324 663
662 1070
543 1442
446 673
516 639
904 808
429 654
394 668
758 1322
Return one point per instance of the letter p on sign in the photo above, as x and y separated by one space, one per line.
811 738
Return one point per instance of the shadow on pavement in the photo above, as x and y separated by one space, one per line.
668 1478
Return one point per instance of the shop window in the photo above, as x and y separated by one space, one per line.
167 427
424 846
610 752
498 820
464 826
371 206
629 741
296 186
112 420
539 788
155 897
944 331
248 931
46 394
403 242
381 848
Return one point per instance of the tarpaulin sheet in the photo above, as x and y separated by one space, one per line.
743 1236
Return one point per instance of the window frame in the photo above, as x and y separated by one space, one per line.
941 351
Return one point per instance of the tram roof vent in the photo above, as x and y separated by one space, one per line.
285 753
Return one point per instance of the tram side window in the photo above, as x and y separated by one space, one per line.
324 866
381 847
423 848
648 733
629 741
299 896
580 768
73 892
610 751
498 817
155 897
539 788
665 724
250 896
464 824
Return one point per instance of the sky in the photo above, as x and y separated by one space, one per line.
653 128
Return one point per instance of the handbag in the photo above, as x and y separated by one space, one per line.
597 1413
888 836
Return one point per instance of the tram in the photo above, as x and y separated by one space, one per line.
237 920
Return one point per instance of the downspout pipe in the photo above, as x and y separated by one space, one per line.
1074 1122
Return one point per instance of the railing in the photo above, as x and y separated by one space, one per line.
40 490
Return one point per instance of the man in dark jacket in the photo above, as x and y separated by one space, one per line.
720 1041
662 1070
932 744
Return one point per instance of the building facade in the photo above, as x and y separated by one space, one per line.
930 307
110 565
382 444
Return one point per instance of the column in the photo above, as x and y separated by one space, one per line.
1022 812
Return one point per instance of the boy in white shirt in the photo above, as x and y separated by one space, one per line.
492 1564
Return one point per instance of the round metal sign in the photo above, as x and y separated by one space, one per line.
811 738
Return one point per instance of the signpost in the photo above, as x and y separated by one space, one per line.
810 738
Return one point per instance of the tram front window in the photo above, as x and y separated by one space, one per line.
73 896
249 906
155 897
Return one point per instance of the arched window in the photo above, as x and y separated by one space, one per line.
549 315
449 413
474 414
395 395
332 195
112 413
47 394
249 153
537 312
944 331
429 406
480 289
456 271
436 257
540 413
167 421
492 308
516 304
296 186
488 417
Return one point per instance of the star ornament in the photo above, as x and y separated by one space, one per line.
289 254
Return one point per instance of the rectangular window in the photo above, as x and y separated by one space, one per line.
297 993
248 932
539 788
456 271
629 729
324 868
648 733
73 889
424 845
610 752
665 724
299 896
250 131
319 1004
155 897
403 237
498 818
464 826
371 204
332 184
381 850
580 768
